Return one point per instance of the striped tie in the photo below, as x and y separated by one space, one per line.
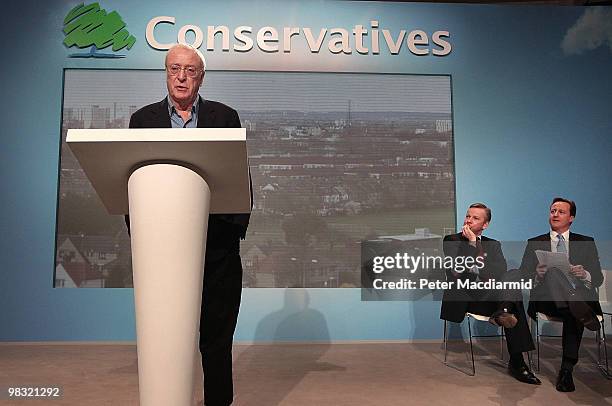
561 247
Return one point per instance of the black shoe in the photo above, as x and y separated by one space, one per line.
565 382
503 318
523 374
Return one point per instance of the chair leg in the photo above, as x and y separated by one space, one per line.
471 346
605 346
445 340
602 364
501 343
537 323
598 341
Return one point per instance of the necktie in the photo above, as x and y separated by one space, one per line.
561 247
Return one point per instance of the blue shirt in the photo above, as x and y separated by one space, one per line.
177 120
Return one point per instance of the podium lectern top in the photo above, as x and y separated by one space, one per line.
219 155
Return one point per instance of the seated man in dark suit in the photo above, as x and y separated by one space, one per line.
505 307
572 296
184 108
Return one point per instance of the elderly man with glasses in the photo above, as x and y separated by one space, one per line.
185 108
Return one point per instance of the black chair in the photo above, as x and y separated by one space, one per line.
600 337
477 317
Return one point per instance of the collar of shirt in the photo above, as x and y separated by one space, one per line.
554 240
176 119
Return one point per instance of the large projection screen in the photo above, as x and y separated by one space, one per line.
336 159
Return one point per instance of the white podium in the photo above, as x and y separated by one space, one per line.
170 180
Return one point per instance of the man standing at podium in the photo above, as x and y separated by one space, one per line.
184 108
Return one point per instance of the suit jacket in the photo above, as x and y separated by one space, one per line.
582 252
223 229
455 301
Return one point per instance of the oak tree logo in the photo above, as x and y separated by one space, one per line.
91 26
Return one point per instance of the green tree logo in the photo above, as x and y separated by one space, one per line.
91 26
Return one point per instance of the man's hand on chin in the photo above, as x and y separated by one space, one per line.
469 234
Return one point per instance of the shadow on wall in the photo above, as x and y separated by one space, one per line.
280 368
294 322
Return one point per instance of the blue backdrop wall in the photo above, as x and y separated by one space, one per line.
532 91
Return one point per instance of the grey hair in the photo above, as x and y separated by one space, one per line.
191 48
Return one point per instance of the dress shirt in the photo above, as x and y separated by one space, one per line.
176 119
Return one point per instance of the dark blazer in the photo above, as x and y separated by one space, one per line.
584 253
223 229
455 301
211 114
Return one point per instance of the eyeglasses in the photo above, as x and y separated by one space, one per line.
190 71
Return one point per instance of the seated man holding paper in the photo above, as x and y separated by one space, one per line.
564 284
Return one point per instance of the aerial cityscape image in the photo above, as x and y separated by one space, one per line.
337 160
